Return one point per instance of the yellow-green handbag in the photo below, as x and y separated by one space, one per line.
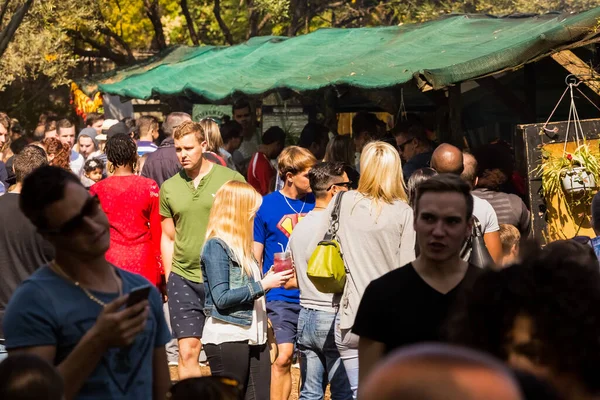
326 269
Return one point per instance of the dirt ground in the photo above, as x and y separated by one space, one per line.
295 380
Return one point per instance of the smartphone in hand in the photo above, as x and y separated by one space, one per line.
138 294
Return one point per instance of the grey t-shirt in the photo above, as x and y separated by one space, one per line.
303 241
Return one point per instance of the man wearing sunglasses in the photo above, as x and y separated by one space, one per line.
320 361
414 147
74 311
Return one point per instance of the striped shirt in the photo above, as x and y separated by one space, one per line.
509 208
145 147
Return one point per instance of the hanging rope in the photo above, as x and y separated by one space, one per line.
572 82
402 114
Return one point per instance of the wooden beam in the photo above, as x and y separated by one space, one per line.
455 116
507 97
576 66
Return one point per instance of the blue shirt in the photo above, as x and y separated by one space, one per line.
48 310
274 224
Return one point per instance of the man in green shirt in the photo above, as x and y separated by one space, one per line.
185 203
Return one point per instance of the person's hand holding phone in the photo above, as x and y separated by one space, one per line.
118 328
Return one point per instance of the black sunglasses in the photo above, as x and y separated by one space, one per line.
89 208
401 145
346 184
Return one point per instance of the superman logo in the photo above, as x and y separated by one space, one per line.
288 222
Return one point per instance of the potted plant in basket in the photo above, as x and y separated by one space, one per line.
572 173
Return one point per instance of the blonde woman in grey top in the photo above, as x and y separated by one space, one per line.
376 234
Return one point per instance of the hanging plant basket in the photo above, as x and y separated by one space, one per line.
578 180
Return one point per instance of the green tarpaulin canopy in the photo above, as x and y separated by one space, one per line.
437 53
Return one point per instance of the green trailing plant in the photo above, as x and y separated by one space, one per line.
554 168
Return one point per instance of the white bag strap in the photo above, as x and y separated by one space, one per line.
254 161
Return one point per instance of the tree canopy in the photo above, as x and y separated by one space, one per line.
49 37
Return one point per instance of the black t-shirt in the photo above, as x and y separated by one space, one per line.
22 249
400 308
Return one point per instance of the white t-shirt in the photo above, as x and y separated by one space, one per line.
77 162
486 215
249 146
218 332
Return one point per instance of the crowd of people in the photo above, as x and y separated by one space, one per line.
218 226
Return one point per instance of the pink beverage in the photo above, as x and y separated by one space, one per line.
282 262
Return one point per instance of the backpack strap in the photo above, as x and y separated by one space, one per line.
334 219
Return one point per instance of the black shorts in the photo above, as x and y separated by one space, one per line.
186 307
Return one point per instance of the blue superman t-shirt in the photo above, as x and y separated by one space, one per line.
47 310
274 224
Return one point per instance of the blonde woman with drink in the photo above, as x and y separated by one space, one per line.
235 333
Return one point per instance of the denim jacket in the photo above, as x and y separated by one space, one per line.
230 292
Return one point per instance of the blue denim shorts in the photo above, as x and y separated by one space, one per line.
284 317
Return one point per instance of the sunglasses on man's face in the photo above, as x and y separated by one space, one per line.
89 209
403 144
344 184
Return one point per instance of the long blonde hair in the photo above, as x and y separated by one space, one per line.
213 135
381 177
232 220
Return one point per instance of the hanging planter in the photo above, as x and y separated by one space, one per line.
576 173
578 180
572 173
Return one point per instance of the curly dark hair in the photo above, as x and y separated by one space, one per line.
558 288
121 150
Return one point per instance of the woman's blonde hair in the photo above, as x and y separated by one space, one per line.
381 177
232 220
212 134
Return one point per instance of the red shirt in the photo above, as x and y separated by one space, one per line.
131 205
261 173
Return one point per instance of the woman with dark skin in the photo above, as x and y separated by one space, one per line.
131 205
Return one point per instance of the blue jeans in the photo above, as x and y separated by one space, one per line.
320 360
347 344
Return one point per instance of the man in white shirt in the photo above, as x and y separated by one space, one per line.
66 134
449 159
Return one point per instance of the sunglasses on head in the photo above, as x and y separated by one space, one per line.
209 119
345 184
89 208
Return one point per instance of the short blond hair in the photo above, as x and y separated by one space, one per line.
189 128
294 159
509 236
